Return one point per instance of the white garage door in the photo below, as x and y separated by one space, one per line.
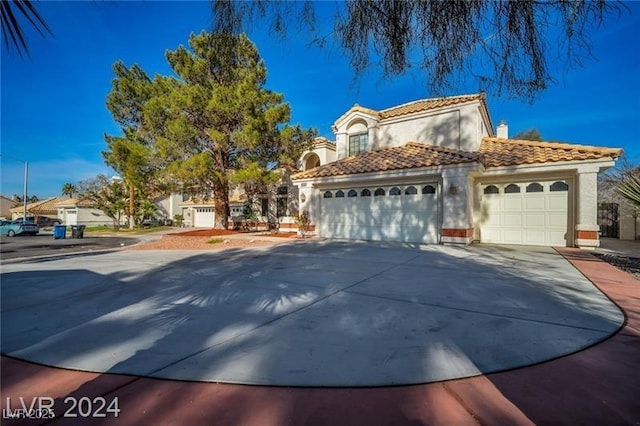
533 213
72 217
204 217
406 213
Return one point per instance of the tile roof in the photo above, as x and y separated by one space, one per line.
74 202
496 152
324 142
428 104
47 206
409 156
417 106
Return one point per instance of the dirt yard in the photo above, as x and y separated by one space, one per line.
215 239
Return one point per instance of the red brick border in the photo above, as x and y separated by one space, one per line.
457 233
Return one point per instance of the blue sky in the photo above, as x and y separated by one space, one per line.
53 111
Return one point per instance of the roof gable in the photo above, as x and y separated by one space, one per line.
421 105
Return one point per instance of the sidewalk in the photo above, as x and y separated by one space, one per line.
599 385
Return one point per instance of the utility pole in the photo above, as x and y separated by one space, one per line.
26 179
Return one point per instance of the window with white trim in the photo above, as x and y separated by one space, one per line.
357 143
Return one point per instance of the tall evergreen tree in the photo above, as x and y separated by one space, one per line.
218 117
131 154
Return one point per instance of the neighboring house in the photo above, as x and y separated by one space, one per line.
277 208
6 204
168 207
198 213
72 211
43 208
434 171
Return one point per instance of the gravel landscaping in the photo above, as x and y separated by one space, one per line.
627 264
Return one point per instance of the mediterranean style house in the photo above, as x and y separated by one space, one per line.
434 171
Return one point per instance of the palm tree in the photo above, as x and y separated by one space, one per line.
11 13
69 189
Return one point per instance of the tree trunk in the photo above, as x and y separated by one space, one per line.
132 206
221 200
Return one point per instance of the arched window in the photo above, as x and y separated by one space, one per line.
491 189
327 194
352 193
395 191
534 187
365 193
411 190
428 189
379 192
340 194
559 186
511 189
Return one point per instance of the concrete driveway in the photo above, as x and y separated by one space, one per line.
303 314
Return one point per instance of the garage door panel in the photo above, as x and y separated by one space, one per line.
558 203
512 236
512 220
512 203
536 237
536 218
534 203
557 220
405 217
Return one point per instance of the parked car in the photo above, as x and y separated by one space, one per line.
13 228
43 221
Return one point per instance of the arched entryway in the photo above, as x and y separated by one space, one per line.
311 161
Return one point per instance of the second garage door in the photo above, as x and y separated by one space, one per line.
530 213
204 217
405 213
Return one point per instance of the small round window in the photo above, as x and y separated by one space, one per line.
511 189
410 191
491 189
559 186
303 198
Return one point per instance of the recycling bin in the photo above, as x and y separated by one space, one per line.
77 231
59 232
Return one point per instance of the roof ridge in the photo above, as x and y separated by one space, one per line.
479 95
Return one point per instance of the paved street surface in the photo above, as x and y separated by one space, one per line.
304 314
43 244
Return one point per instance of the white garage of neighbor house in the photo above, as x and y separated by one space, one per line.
72 211
434 171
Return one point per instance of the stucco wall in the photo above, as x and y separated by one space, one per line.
169 206
629 224
460 127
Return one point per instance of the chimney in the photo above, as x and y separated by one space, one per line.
503 130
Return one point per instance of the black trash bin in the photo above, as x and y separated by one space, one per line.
77 231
